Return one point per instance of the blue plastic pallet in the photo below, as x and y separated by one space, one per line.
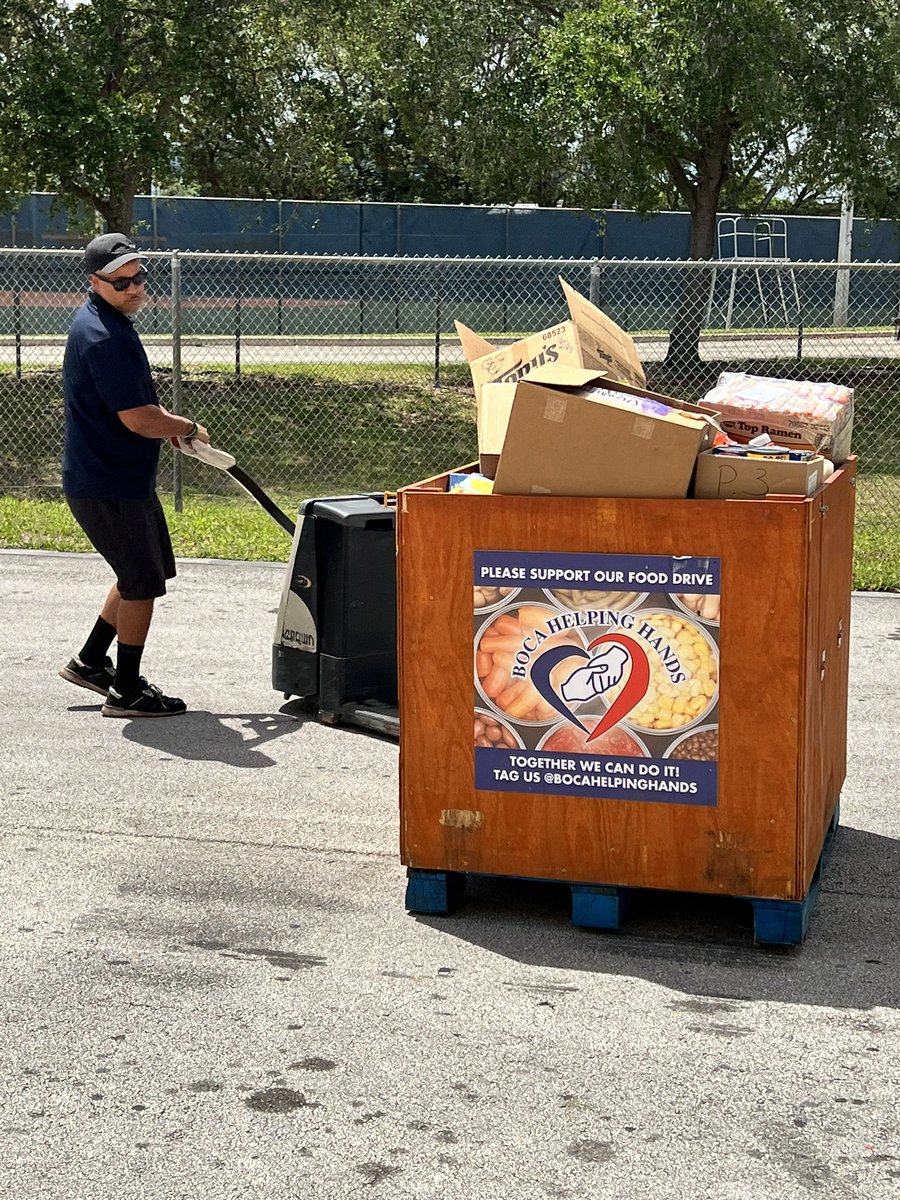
602 906
784 922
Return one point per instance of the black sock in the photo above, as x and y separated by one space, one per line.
128 669
94 651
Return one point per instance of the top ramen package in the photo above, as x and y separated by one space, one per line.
794 412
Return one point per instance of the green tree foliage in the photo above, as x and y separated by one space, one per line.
585 102
101 97
277 124
439 102
95 100
740 98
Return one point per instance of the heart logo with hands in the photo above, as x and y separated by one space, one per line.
602 670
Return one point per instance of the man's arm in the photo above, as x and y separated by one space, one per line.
108 365
154 421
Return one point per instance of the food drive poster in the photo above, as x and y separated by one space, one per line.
597 675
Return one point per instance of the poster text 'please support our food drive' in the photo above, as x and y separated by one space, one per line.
597 675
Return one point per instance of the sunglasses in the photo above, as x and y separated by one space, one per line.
125 282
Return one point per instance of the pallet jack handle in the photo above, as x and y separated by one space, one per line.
223 461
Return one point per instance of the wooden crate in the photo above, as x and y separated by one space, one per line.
783 652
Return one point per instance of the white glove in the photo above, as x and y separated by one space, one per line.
206 453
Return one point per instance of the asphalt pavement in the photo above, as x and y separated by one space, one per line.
211 987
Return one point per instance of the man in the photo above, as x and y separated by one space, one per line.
114 426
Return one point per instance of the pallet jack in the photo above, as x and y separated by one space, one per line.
335 643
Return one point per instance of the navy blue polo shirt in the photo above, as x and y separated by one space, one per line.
105 372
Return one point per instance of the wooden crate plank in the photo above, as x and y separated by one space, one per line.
836 573
811 714
824 715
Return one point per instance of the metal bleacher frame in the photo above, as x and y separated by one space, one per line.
758 245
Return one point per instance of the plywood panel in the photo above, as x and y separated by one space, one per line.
748 843
811 714
834 513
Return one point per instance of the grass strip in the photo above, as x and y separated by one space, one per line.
235 528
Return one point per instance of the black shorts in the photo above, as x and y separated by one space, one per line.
133 537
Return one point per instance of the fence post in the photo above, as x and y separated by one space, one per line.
396 292
437 330
280 270
177 478
596 272
237 323
361 276
17 315
845 255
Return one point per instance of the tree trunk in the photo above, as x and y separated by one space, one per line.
684 338
702 198
118 210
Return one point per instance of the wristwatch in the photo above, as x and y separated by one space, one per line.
192 432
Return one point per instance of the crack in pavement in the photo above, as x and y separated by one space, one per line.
74 830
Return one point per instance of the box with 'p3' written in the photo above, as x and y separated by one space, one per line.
724 477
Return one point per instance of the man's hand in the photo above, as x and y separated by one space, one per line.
201 435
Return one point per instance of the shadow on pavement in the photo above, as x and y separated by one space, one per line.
308 710
211 737
703 945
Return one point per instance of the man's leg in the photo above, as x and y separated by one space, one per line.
92 667
94 651
134 617
133 538
130 694
133 621
110 610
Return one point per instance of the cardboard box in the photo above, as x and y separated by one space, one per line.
722 477
494 406
563 441
589 340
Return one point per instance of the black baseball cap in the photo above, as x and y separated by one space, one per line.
109 252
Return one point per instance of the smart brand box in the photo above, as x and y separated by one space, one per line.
723 477
590 339
572 432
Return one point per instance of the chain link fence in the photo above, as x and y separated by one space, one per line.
326 375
